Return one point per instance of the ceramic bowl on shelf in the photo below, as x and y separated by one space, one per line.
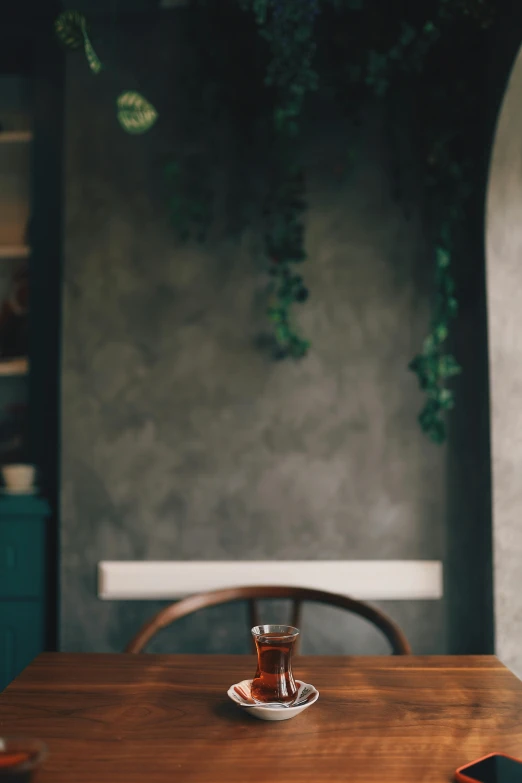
19 478
240 693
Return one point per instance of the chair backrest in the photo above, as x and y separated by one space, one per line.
297 595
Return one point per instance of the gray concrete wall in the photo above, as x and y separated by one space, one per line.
180 440
504 269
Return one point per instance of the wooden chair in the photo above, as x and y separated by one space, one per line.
297 595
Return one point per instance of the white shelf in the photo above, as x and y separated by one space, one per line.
13 367
15 251
15 137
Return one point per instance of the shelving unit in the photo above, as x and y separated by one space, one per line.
15 197
15 137
14 251
14 367
32 78
23 520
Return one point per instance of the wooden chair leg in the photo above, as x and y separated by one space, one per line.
296 614
296 621
254 618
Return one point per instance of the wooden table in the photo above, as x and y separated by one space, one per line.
148 718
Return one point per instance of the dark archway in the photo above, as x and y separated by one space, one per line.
469 563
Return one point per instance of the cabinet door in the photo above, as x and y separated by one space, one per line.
22 553
21 637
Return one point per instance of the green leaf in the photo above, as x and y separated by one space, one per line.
453 306
429 28
71 29
69 26
275 315
282 334
135 114
443 258
446 399
92 58
448 366
441 332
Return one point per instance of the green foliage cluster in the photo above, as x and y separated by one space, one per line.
383 51
434 366
285 248
287 26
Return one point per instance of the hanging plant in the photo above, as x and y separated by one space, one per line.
434 366
71 29
288 28
135 114
92 58
381 48
284 244
448 184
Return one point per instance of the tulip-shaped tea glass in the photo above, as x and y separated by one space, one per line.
274 681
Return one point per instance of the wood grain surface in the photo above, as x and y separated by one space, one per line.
148 718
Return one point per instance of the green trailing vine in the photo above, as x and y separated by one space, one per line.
382 49
288 29
285 249
434 366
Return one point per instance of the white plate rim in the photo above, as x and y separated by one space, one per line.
301 685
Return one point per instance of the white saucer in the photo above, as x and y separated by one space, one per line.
12 492
306 696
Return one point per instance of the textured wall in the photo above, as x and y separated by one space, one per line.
504 253
180 439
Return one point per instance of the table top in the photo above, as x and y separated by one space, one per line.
152 718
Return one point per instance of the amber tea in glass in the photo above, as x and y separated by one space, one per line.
274 680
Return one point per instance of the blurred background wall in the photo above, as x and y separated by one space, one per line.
181 439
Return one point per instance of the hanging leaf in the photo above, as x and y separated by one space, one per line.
92 58
70 27
135 114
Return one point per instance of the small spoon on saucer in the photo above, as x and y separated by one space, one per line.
251 702
301 698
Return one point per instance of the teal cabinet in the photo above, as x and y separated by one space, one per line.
22 583
22 637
